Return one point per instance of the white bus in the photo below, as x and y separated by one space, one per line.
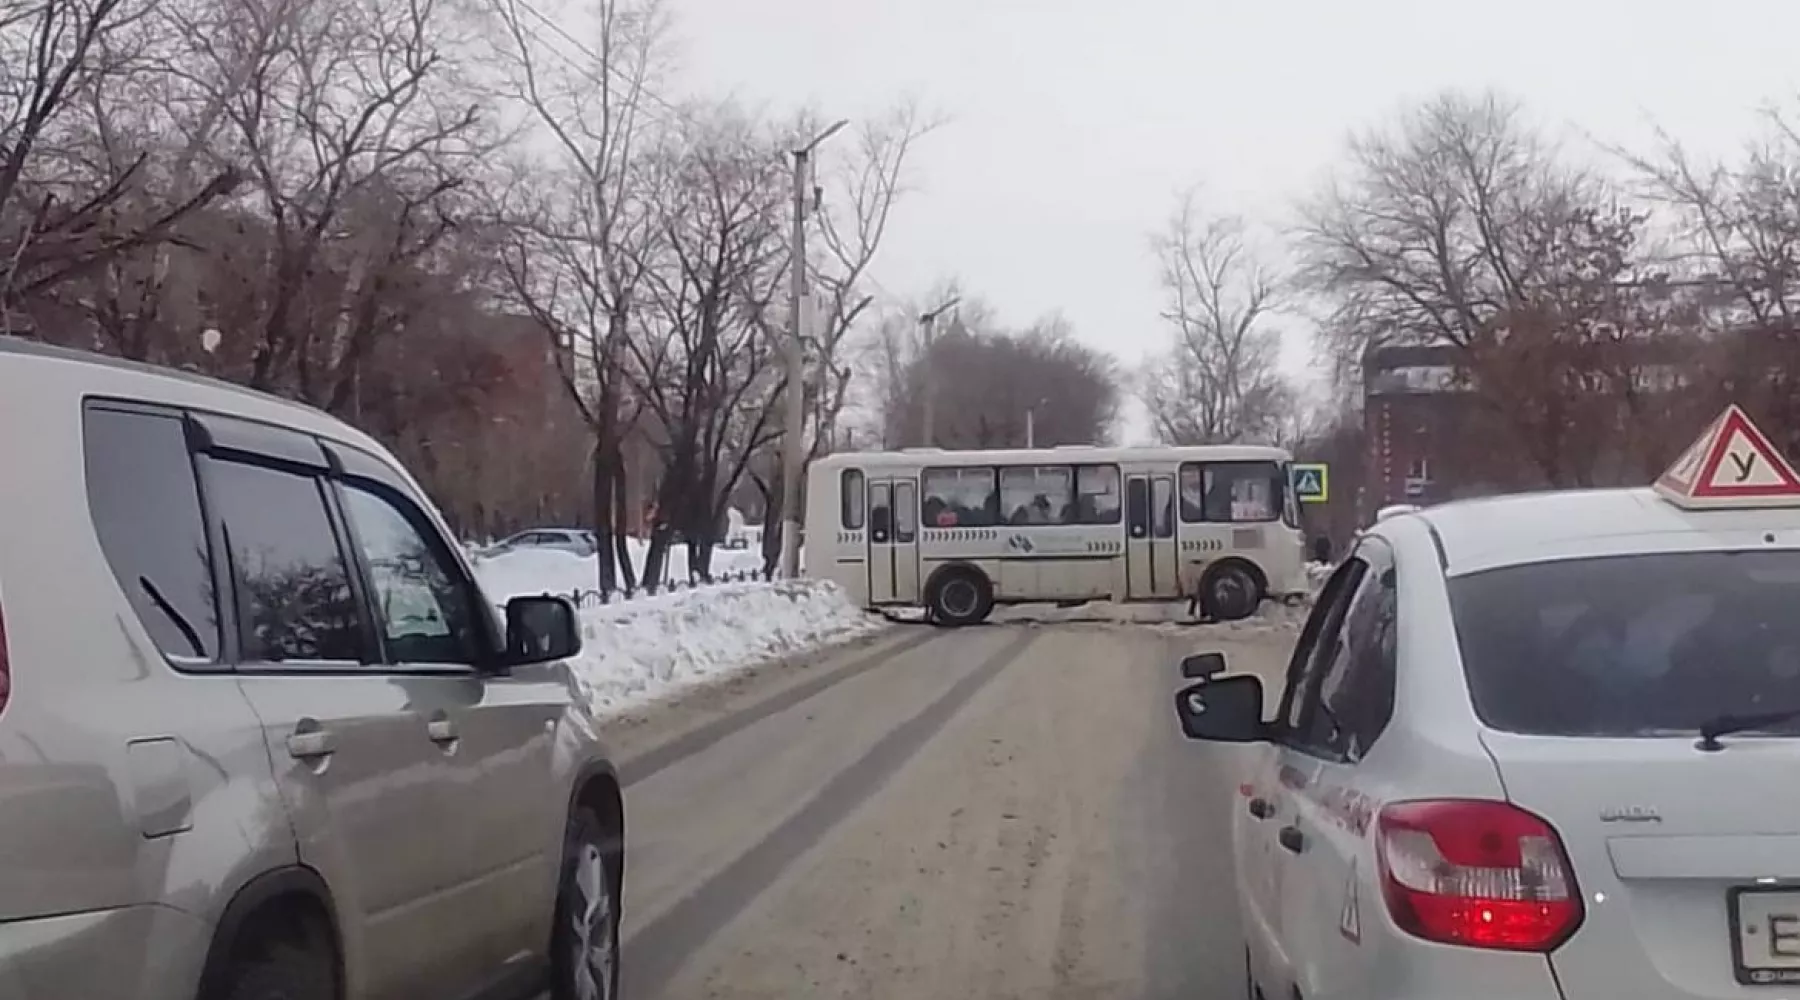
958 532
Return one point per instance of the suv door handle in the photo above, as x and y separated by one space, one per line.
1291 838
309 742
441 729
1261 809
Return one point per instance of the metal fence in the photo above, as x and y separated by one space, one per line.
588 597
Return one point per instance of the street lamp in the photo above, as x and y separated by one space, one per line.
1031 421
793 452
927 336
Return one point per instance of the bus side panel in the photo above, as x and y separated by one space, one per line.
833 551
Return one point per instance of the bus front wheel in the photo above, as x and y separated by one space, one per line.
961 598
1230 591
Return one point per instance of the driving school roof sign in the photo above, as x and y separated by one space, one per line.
1731 465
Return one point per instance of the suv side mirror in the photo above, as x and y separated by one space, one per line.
1201 666
540 629
1225 710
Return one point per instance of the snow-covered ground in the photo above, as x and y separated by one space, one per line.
1316 575
555 571
647 648
652 646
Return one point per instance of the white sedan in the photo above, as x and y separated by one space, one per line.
1541 747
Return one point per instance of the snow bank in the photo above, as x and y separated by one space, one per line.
556 571
1316 575
642 650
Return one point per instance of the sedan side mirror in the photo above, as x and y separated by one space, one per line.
1202 666
1223 710
540 629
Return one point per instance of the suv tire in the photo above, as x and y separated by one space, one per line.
585 943
280 970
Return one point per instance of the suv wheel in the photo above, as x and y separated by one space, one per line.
586 944
279 969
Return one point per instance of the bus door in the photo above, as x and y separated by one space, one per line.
893 541
1151 561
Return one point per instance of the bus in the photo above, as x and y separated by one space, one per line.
959 532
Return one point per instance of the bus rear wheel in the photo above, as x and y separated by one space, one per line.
960 598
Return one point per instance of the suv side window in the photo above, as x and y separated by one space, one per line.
425 612
291 583
145 503
1308 728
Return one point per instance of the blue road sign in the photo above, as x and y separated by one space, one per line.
1312 481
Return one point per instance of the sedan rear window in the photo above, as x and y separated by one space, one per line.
1638 645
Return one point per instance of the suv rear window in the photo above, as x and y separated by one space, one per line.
1638 645
146 508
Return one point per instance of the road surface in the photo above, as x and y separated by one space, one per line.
1003 811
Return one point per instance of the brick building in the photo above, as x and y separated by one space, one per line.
1414 414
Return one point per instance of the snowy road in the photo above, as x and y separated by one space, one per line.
1005 811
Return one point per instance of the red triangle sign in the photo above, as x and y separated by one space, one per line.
1730 465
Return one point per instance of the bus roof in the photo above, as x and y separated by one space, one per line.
1070 455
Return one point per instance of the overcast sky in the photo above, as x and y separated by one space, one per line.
1073 123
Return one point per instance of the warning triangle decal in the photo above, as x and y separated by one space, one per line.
1731 465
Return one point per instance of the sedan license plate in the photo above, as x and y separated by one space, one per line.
1765 936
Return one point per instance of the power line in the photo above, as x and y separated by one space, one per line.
605 64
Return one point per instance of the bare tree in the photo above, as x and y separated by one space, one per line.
586 229
1446 219
856 199
1219 380
1461 226
1736 246
61 61
859 198
358 134
702 363
999 388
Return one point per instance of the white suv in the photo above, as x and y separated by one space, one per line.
260 734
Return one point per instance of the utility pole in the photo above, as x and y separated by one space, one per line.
793 448
928 340
1031 428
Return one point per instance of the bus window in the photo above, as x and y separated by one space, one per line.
880 516
906 512
1162 508
851 499
1137 508
1232 492
1097 499
961 497
1038 495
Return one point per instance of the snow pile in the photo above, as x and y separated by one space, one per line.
1316 575
528 571
1271 617
645 649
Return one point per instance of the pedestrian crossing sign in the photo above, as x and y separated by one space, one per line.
1312 481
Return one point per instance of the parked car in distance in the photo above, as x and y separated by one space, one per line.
261 735
579 541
